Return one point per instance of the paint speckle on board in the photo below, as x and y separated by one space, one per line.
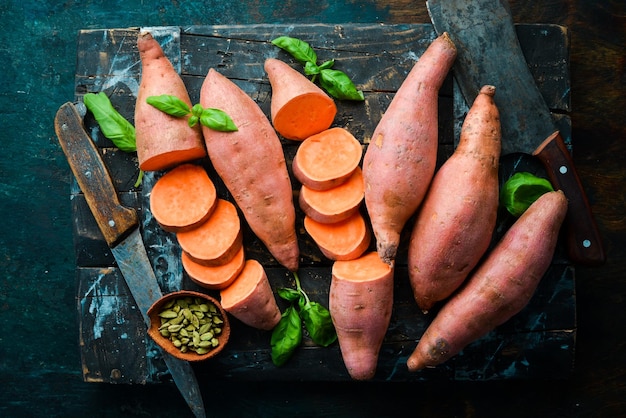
104 306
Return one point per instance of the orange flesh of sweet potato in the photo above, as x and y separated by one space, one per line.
252 165
501 286
250 298
343 240
217 240
336 204
163 141
327 159
214 277
454 226
183 198
299 108
360 304
400 159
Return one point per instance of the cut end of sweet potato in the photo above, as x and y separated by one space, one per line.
214 277
250 298
183 198
327 159
336 204
365 268
217 240
169 159
344 240
305 115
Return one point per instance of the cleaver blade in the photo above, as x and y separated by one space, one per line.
489 53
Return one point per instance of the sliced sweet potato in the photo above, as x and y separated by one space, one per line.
250 298
183 198
214 277
217 240
299 108
360 304
327 159
343 240
336 204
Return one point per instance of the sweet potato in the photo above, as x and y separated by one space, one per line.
454 226
217 240
343 240
336 204
250 298
360 304
299 108
327 159
183 198
501 286
163 141
214 277
400 159
252 165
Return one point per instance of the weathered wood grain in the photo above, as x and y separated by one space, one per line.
539 342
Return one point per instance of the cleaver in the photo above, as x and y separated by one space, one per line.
120 227
488 52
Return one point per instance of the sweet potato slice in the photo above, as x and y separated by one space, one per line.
252 165
501 286
163 141
217 240
336 204
183 198
327 159
400 160
299 108
250 298
360 304
343 240
214 277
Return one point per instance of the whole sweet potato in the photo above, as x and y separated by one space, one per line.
501 286
454 226
400 159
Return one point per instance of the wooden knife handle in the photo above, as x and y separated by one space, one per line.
113 219
583 238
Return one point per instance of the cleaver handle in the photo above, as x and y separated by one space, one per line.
583 240
114 220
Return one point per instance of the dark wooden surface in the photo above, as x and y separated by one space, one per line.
39 347
538 343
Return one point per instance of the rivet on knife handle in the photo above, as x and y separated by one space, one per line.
584 242
113 219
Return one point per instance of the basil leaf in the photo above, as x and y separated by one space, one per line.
112 124
318 323
217 120
311 68
286 336
521 190
339 85
289 294
327 64
169 104
298 49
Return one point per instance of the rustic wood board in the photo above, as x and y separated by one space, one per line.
539 342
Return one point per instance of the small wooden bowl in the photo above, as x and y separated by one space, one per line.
166 344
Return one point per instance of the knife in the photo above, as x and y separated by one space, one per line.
489 53
120 227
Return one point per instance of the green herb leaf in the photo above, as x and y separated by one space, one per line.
521 190
339 85
113 125
218 120
169 104
286 336
289 294
298 49
327 64
318 323
311 68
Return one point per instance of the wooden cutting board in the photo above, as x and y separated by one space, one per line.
537 343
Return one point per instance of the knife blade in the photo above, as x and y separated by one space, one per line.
120 227
489 53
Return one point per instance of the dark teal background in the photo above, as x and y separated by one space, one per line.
40 368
